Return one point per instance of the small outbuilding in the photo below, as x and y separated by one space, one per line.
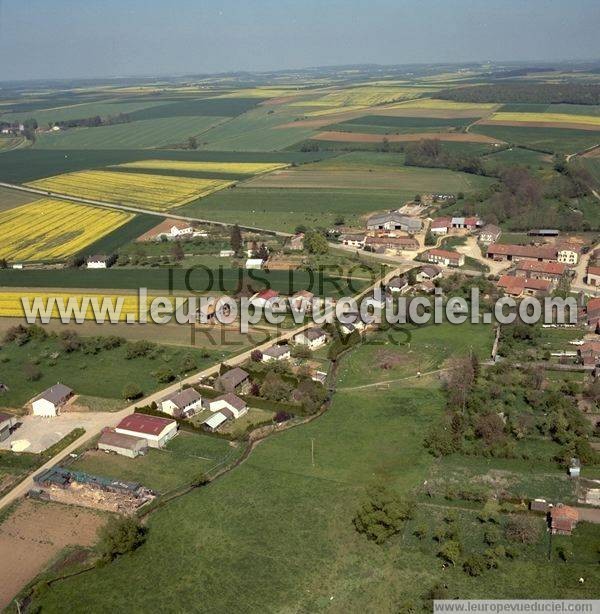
7 423
49 403
125 445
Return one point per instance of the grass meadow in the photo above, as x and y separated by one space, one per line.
278 530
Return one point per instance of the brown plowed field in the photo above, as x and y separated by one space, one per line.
34 534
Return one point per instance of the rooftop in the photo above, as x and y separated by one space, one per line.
142 423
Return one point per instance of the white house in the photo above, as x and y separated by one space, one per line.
254 263
227 407
182 403
156 431
356 240
396 284
98 262
312 337
428 273
569 254
228 401
277 352
49 403
303 299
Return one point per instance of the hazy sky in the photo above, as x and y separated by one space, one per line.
92 38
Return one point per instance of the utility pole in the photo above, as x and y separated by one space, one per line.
312 451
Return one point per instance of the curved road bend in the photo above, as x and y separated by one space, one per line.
112 419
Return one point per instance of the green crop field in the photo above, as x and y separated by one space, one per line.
384 124
143 133
197 279
257 130
123 235
284 209
559 140
20 166
518 156
288 536
218 107
81 111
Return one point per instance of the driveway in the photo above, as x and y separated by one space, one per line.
41 433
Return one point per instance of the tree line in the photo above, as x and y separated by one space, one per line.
534 93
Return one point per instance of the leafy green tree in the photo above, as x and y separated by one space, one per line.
316 243
121 536
382 515
164 375
235 239
131 392
474 565
450 551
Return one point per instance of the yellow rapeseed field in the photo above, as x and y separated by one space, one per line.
12 307
49 229
240 168
550 118
361 97
159 192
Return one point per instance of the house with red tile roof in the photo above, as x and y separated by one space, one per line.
593 276
563 519
534 269
519 286
445 257
156 431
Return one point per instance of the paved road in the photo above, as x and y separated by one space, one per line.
134 209
114 418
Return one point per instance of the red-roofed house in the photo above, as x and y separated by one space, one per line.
592 312
593 276
517 286
445 257
563 519
264 297
533 269
440 225
156 431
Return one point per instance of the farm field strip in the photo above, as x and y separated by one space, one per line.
545 118
362 137
156 192
11 306
242 168
51 229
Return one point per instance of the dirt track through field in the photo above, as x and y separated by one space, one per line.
34 534
360 137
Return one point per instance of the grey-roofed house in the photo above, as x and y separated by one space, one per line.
125 445
227 402
394 221
277 352
397 284
49 402
490 233
428 273
234 380
181 404
312 337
